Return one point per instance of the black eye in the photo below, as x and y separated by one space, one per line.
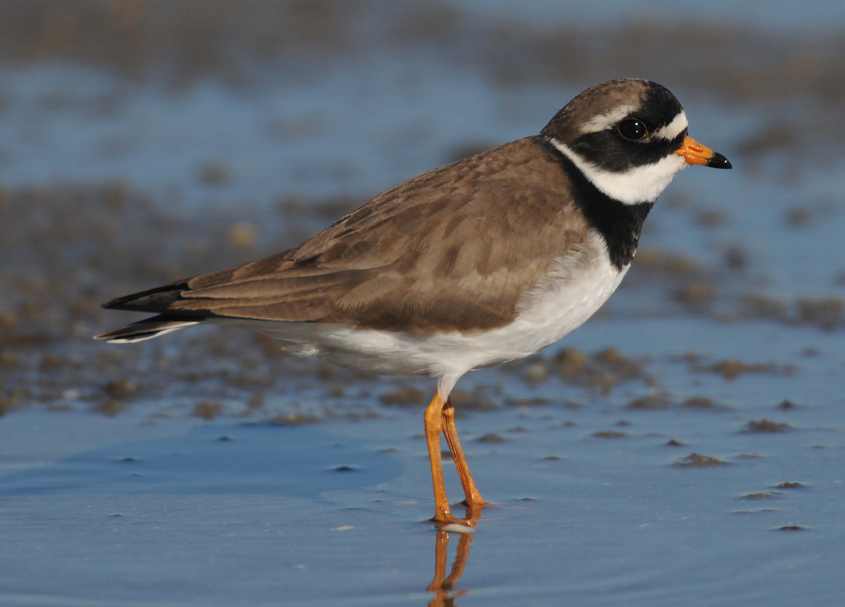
632 129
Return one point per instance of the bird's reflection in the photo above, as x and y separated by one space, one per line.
442 586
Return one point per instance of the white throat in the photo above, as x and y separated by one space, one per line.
636 185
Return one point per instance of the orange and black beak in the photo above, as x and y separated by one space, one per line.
696 153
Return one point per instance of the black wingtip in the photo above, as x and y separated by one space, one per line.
151 300
719 162
114 304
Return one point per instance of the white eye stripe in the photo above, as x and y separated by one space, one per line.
599 123
602 122
673 129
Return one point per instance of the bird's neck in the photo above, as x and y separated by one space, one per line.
619 223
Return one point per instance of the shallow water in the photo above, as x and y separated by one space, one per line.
309 486
125 511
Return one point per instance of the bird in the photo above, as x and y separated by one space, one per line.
477 263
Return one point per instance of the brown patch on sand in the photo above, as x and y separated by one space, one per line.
766 426
120 388
732 368
207 410
661 402
790 485
823 312
295 419
110 407
491 438
827 313
756 496
710 218
760 306
703 403
652 402
697 460
696 295
602 371
609 434
535 372
667 263
537 401
472 400
404 396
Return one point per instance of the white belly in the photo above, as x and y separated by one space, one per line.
563 301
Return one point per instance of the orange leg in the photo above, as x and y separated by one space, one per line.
433 419
450 431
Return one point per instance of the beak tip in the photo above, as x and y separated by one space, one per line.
719 162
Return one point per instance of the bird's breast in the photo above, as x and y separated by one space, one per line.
578 284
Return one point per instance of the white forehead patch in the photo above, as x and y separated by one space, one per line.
638 184
599 123
673 129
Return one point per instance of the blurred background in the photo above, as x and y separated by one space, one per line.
146 140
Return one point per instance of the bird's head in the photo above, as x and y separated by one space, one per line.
629 139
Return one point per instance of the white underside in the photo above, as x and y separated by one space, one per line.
564 300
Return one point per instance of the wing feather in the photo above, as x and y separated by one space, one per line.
452 248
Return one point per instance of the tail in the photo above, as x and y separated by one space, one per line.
152 300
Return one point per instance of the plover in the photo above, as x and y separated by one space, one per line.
484 261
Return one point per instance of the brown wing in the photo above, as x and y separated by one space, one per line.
452 248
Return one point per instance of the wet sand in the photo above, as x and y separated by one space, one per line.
686 445
591 502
